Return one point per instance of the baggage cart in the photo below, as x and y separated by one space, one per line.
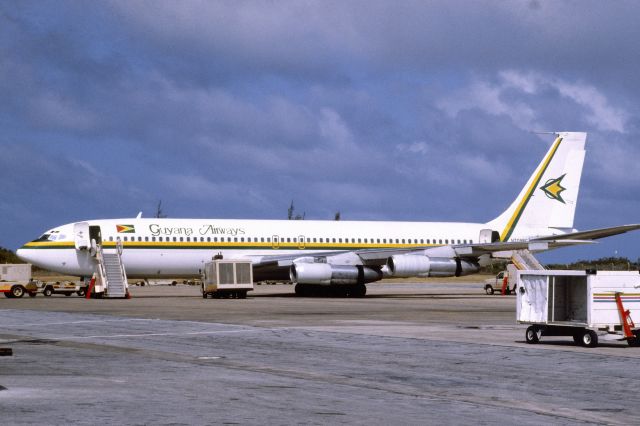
586 305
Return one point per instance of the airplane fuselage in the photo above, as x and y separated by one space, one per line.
179 247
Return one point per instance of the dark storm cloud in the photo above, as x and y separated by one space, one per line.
381 110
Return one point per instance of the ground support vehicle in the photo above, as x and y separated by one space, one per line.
587 305
18 288
67 288
16 281
495 284
226 278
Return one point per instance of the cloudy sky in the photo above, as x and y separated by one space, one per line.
381 110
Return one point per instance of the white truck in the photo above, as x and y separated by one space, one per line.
227 278
586 305
494 284
16 281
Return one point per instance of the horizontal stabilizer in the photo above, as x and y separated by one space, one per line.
593 234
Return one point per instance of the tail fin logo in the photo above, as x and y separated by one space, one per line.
553 188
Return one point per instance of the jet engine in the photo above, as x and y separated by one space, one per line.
404 266
327 274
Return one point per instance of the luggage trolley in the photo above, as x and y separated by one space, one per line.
586 305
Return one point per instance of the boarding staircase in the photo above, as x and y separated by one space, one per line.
525 260
111 272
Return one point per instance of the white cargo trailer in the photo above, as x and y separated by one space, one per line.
227 278
586 305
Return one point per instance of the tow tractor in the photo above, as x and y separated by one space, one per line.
66 287
587 305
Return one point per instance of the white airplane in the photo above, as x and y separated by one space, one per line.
342 255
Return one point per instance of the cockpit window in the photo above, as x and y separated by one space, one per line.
50 236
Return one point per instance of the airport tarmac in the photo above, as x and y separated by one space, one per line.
408 353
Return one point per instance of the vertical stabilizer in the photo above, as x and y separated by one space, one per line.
550 196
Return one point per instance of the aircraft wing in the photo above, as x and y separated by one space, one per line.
378 257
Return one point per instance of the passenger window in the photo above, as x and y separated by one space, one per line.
242 239
153 238
268 239
439 241
110 238
175 239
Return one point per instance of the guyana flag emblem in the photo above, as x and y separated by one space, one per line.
125 229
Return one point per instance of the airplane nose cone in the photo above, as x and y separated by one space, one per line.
22 254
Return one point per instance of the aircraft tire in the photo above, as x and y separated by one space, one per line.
359 290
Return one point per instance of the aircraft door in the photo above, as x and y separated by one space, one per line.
81 235
301 244
95 234
275 242
489 236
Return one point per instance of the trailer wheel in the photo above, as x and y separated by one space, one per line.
48 291
32 294
589 339
17 291
532 334
489 290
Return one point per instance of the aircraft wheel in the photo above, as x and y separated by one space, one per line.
358 290
532 335
17 291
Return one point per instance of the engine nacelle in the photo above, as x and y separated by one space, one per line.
327 274
405 266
